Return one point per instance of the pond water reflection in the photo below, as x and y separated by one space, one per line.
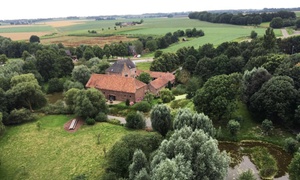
241 162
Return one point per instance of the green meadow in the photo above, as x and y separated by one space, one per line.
53 153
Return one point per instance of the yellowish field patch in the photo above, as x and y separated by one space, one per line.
64 23
22 35
74 41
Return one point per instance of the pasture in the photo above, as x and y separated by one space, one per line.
53 153
75 32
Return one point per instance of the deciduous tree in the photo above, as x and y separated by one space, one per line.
135 120
139 163
161 119
217 98
196 153
34 38
26 92
144 77
276 99
185 117
81 74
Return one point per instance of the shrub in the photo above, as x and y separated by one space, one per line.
142 106
18 116
90 121
38 125
178 90
70 84
127 102
166 95
135 120
58 107
265 162
233 127
101 117
267 126
253 35
114 121
247 175
294 167
290 145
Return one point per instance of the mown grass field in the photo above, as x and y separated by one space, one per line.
53 153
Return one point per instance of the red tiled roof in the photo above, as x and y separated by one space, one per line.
114 83
159 83
155 74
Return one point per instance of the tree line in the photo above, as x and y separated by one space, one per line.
241 19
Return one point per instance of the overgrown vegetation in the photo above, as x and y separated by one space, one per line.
265 162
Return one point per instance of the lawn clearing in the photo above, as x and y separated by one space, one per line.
145 66
53 153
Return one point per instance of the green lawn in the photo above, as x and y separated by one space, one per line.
143 66
53 153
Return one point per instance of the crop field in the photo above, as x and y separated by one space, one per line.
23 32
53 153
74 41
75 32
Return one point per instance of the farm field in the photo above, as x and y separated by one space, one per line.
53 153
75 32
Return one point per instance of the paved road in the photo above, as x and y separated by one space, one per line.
122 120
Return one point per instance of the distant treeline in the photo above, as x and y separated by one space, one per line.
241 19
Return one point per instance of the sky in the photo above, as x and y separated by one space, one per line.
33 9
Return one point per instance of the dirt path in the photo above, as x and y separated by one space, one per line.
285 34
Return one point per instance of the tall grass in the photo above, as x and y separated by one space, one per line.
53 153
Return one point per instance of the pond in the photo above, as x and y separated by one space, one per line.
241 162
